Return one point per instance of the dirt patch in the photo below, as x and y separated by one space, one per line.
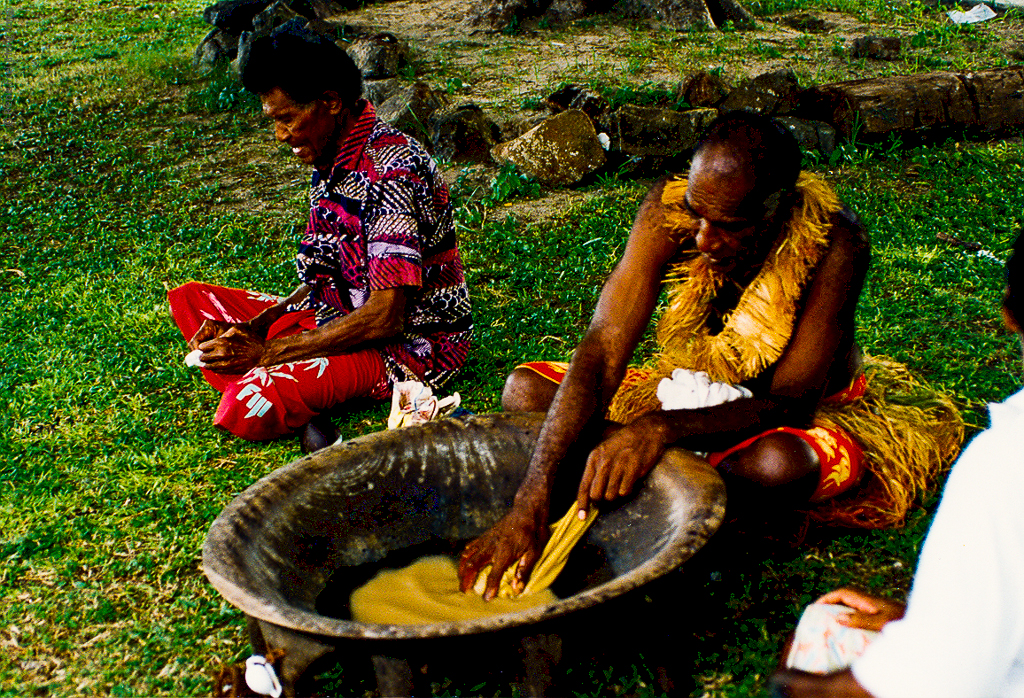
508 74
500 70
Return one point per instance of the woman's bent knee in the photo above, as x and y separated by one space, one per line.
254 414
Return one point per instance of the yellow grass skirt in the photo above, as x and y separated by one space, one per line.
910 434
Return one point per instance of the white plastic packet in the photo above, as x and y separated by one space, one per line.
414 403
822 645
261 677
192 359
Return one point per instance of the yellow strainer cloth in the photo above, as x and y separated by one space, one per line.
564 535
427 591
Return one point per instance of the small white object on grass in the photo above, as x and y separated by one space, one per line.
978 13
261 677
193 359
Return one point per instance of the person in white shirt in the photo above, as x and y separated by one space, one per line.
961 634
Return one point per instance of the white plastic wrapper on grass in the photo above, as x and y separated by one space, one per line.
978 13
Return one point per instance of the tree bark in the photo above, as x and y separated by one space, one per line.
500 15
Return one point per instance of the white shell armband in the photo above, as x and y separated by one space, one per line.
690 390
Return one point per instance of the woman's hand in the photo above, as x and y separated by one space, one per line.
622 459
210 329
234 350
520 535
867 612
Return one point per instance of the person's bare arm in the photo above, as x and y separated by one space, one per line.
800 684
824 335
259 325
238 349
598 364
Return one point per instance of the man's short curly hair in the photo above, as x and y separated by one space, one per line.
304 64
773 151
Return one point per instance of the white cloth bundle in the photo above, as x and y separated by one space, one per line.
192 359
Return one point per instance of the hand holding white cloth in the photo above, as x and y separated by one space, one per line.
821 644
192 359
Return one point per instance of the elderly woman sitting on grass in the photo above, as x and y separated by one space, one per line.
382 295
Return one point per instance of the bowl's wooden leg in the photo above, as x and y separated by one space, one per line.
541 655
394 676
300 650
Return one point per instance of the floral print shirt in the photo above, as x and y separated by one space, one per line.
381 218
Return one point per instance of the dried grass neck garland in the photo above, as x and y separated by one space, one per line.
757 331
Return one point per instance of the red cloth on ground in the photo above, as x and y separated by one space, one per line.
554 371
268 402
841 458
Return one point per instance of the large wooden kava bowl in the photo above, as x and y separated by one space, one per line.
298 540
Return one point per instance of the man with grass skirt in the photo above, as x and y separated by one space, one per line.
382 295
757 368
962 631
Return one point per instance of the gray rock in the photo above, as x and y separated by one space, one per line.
272 17
218 46
234 16
812 135
678 14
565 11
577 97
378 56
703 90
686 14
560 151
464 134
652 131
500 14
518 124
882 48
242 52
410 110
774 92
379 91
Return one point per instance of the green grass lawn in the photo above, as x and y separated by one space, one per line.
114 189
